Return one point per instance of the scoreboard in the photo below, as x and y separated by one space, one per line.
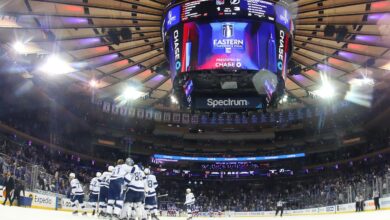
228 36
221 34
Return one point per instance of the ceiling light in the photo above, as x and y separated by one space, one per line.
174 100
93 83
131 93
56 66
326 91
19 47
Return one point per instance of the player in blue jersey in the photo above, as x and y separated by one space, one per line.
150 194
115 198
77 195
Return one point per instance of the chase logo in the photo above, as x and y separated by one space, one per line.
228 30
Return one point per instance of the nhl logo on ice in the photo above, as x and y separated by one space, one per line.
228 30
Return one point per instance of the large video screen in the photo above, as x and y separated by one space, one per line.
227 35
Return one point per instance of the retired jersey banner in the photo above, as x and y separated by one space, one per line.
195 119
149 115
167 117
106 107
140 113
131 112
185 118
123 111
176 118
114 109
157 116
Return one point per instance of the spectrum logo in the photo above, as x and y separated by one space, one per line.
227 102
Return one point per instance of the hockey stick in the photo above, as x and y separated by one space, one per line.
163 195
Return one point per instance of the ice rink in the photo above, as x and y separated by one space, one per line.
16 213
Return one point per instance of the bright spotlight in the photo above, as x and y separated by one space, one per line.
93 83
19 47
326 91
174 100
131 93
56 66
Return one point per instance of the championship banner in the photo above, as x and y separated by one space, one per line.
254 119
114 109
229 119
106 107
237 119
203 119
140 113
131 112
167 117
157 116
176 118
221 119
195 119
123 111
263 118
185 118
244 119
149 115
308 113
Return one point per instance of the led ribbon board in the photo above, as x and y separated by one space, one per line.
225 159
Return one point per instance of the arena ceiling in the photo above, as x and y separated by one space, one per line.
79 31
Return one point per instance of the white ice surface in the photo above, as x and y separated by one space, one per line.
16 213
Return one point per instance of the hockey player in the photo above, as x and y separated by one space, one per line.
77 194
150 195
94 189
135 193
115 198
190 202
104 182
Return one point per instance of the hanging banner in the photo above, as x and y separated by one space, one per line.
185 118
131 112
167 117
114 109
123 111
149 114
157 116
106 107
195 119
140 113
176 118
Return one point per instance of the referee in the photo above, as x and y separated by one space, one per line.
279 207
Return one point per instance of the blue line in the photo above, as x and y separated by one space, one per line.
227 159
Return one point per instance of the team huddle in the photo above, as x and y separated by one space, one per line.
123 192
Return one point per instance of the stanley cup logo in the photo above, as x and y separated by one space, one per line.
227 30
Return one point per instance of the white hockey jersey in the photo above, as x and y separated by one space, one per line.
120 171
77 188
151 185
135 180
104 179
94 186
190 199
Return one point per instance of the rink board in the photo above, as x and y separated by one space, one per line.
50 202
16 213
